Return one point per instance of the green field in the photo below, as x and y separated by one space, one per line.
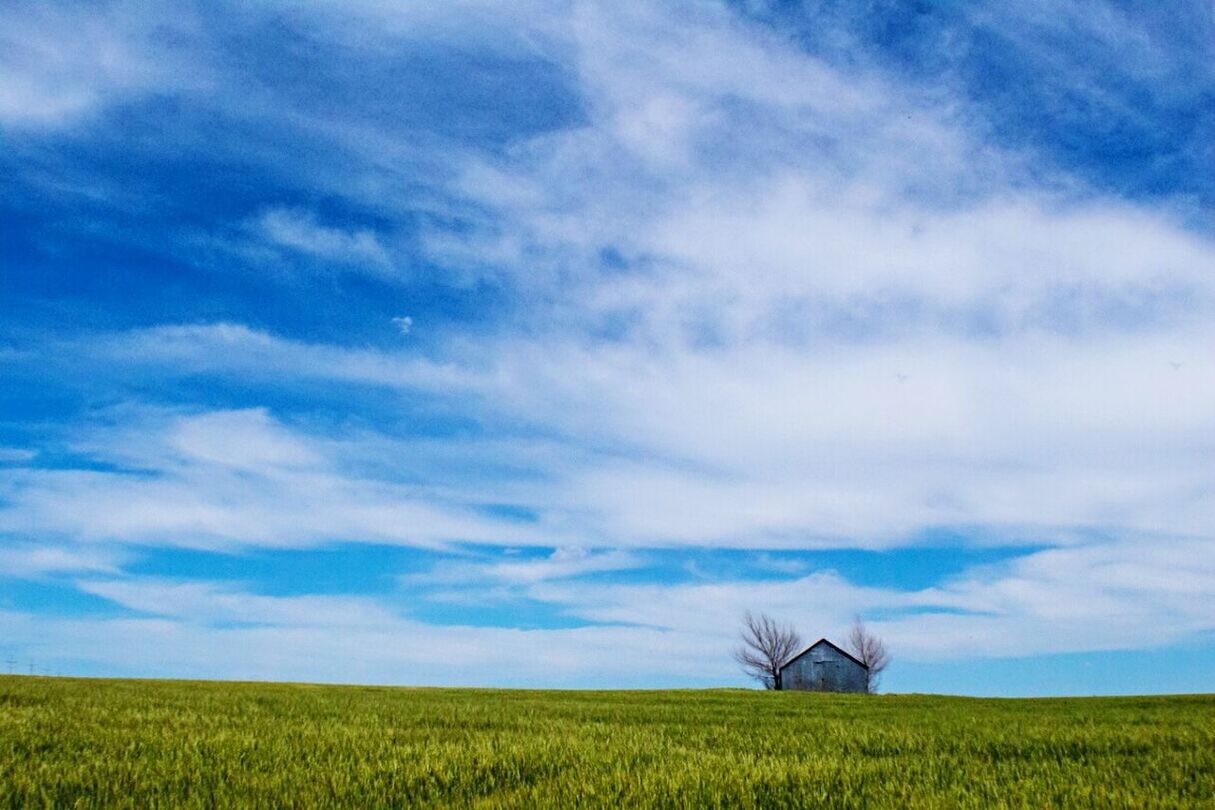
73 742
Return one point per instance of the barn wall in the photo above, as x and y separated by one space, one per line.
823 669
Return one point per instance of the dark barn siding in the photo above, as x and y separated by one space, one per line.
823 667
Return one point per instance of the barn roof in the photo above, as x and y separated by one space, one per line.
835 647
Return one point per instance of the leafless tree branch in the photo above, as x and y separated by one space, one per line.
869 650
766 646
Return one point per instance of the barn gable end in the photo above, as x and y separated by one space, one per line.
824 667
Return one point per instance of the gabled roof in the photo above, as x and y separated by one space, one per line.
835 647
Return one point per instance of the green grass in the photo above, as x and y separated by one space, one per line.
91 743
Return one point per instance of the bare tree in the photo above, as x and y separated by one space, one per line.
870 651
766 646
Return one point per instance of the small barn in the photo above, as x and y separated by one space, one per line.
824 667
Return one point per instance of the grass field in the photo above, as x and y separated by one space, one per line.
89 743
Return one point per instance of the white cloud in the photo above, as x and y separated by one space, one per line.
819 194
234 348
1111 595
32 560
248 439
59 65
562 563
210 603
843 318
217 630
1036 437
299 231
238 478
16 455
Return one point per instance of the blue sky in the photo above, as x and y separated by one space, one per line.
440 343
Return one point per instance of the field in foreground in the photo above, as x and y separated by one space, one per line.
69 742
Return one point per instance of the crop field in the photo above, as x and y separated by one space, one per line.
92 743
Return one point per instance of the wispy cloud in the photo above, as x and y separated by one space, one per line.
27 560
244 635
859 445
562 563
299 231
235 479
59 65
211 604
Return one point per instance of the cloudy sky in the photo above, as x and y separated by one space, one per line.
529 344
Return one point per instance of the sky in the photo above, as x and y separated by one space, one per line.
529 345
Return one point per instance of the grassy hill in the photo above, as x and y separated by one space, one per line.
75 742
